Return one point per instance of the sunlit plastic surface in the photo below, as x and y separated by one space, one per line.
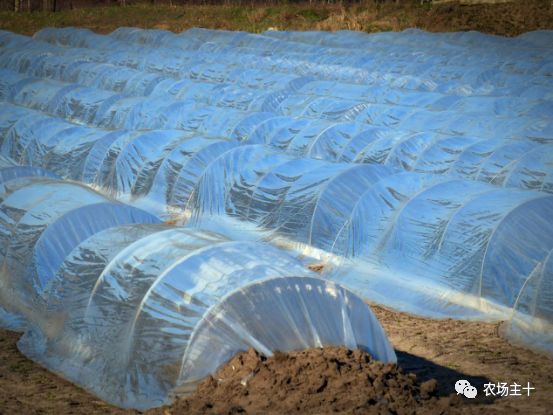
157 309
42 221
490 123
412 159
137 311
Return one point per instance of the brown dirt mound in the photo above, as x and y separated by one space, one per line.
313 381
445 350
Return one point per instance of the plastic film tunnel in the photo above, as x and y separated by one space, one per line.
382 106
399 134
137 311
396 162
330 206
507 163
427 223
470 237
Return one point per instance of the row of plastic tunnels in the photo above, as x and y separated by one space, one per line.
162 196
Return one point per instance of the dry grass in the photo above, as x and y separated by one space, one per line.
505 19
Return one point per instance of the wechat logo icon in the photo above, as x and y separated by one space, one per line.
463 387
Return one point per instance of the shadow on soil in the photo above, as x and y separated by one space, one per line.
446 377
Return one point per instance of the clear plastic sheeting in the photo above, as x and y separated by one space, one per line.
530 323
202 65
510 163
472 247
443 230
91 106
101 157
464 236
411 69
9 175
137 311
482 117
387 61
474 137
406 159
391 105
140 313
158 169
42 219
6 162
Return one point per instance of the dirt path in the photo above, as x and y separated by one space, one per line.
446 350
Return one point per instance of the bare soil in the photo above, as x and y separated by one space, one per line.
314 381
330 380
449 350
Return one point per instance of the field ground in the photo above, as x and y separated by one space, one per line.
446 350
508 19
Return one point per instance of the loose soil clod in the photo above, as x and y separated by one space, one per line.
313 381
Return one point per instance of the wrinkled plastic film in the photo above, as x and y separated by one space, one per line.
131 309
311 114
